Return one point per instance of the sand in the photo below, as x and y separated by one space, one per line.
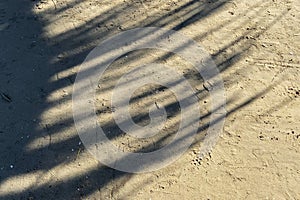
255 45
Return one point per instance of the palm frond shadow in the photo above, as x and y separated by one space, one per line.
32 89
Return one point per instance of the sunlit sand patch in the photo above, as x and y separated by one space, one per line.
41 178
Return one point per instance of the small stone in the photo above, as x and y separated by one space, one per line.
11 166
161 187
261 137
33 44
60 56
264 45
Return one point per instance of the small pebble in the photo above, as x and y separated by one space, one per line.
60 56
264 45
11 166
33 44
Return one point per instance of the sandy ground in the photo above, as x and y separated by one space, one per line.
255 44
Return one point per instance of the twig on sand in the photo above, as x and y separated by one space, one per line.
141 2
5 97
54 4
78 153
